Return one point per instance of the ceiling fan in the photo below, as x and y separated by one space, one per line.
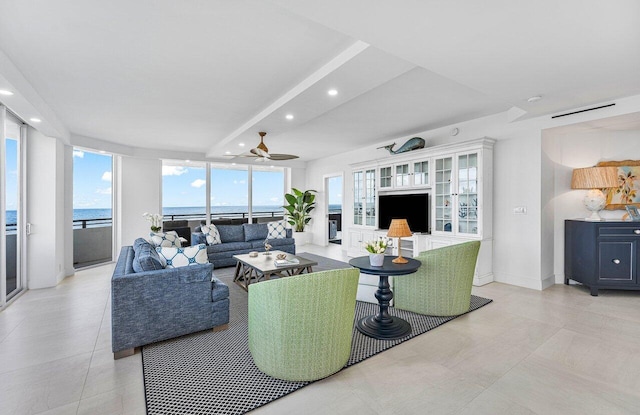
262 152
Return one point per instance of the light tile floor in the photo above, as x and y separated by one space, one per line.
559 351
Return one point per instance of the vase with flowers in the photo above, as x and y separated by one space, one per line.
155 219
376 251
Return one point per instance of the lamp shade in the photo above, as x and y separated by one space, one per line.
594 178
399 228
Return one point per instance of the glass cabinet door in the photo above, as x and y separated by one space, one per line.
370 197
421 173
468 193
386 177
358 194
443 196
402 175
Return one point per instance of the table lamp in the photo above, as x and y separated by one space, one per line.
399 228
594 179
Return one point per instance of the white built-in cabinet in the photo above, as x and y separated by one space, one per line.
458 178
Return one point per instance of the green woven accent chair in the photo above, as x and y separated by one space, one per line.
300 327
442 284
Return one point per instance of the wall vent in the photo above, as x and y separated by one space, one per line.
588 109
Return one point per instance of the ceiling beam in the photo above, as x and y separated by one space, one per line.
345 56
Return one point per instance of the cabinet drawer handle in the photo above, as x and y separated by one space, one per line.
637 231
616 261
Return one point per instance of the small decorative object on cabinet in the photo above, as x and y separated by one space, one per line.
633 213
594 179
602 255
414 143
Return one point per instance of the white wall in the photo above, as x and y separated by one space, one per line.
139 191
68 210
526 248
45 211
582 147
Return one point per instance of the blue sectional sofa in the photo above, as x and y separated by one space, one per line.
242 239
150 303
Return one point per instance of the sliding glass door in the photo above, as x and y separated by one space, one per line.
12 230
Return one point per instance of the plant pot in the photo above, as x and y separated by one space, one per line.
302 238
376 260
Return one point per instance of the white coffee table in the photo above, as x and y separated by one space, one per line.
250 270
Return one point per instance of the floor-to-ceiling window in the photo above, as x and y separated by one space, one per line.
184 190
11 204
267 184
229 192
92 208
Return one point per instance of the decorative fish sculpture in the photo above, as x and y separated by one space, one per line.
414 143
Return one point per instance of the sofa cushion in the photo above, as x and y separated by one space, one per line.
277 230
231 233
168 239
181 257
254 231
211 234
281 241
146 258
229 246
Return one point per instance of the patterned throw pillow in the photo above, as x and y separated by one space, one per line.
182 257
277 230
212 234
168 239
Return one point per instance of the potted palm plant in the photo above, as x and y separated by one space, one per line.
298 208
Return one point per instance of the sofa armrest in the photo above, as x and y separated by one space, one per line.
156 305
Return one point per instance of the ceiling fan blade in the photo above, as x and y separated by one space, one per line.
260 153
279 157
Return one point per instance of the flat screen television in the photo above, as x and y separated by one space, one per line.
412 207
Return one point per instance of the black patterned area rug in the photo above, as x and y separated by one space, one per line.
213 373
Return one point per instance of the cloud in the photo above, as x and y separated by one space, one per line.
275 199
239 182
106 191
174 170
198 183
106 176
78 153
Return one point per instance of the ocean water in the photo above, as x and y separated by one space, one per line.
86 214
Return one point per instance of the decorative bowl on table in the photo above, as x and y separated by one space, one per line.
281 256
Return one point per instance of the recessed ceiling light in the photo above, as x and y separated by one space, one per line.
233 164
227 152
289 116
332 92
187 161
241 144
35 119
5 92
102 151
534 98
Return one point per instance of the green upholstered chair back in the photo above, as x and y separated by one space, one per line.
442 284
300 327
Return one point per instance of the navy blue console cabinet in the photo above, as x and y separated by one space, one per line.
602 254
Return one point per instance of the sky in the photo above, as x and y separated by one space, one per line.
11 174
186 186
182 186
91 180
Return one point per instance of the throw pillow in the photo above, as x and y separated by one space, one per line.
277 230
211 233
169 239
182 257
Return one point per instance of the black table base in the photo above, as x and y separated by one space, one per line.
383 326
395 328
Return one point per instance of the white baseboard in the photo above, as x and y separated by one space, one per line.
525 282
483 279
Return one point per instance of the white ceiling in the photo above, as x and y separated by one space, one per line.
203 76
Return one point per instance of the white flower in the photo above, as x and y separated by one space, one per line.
378 246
